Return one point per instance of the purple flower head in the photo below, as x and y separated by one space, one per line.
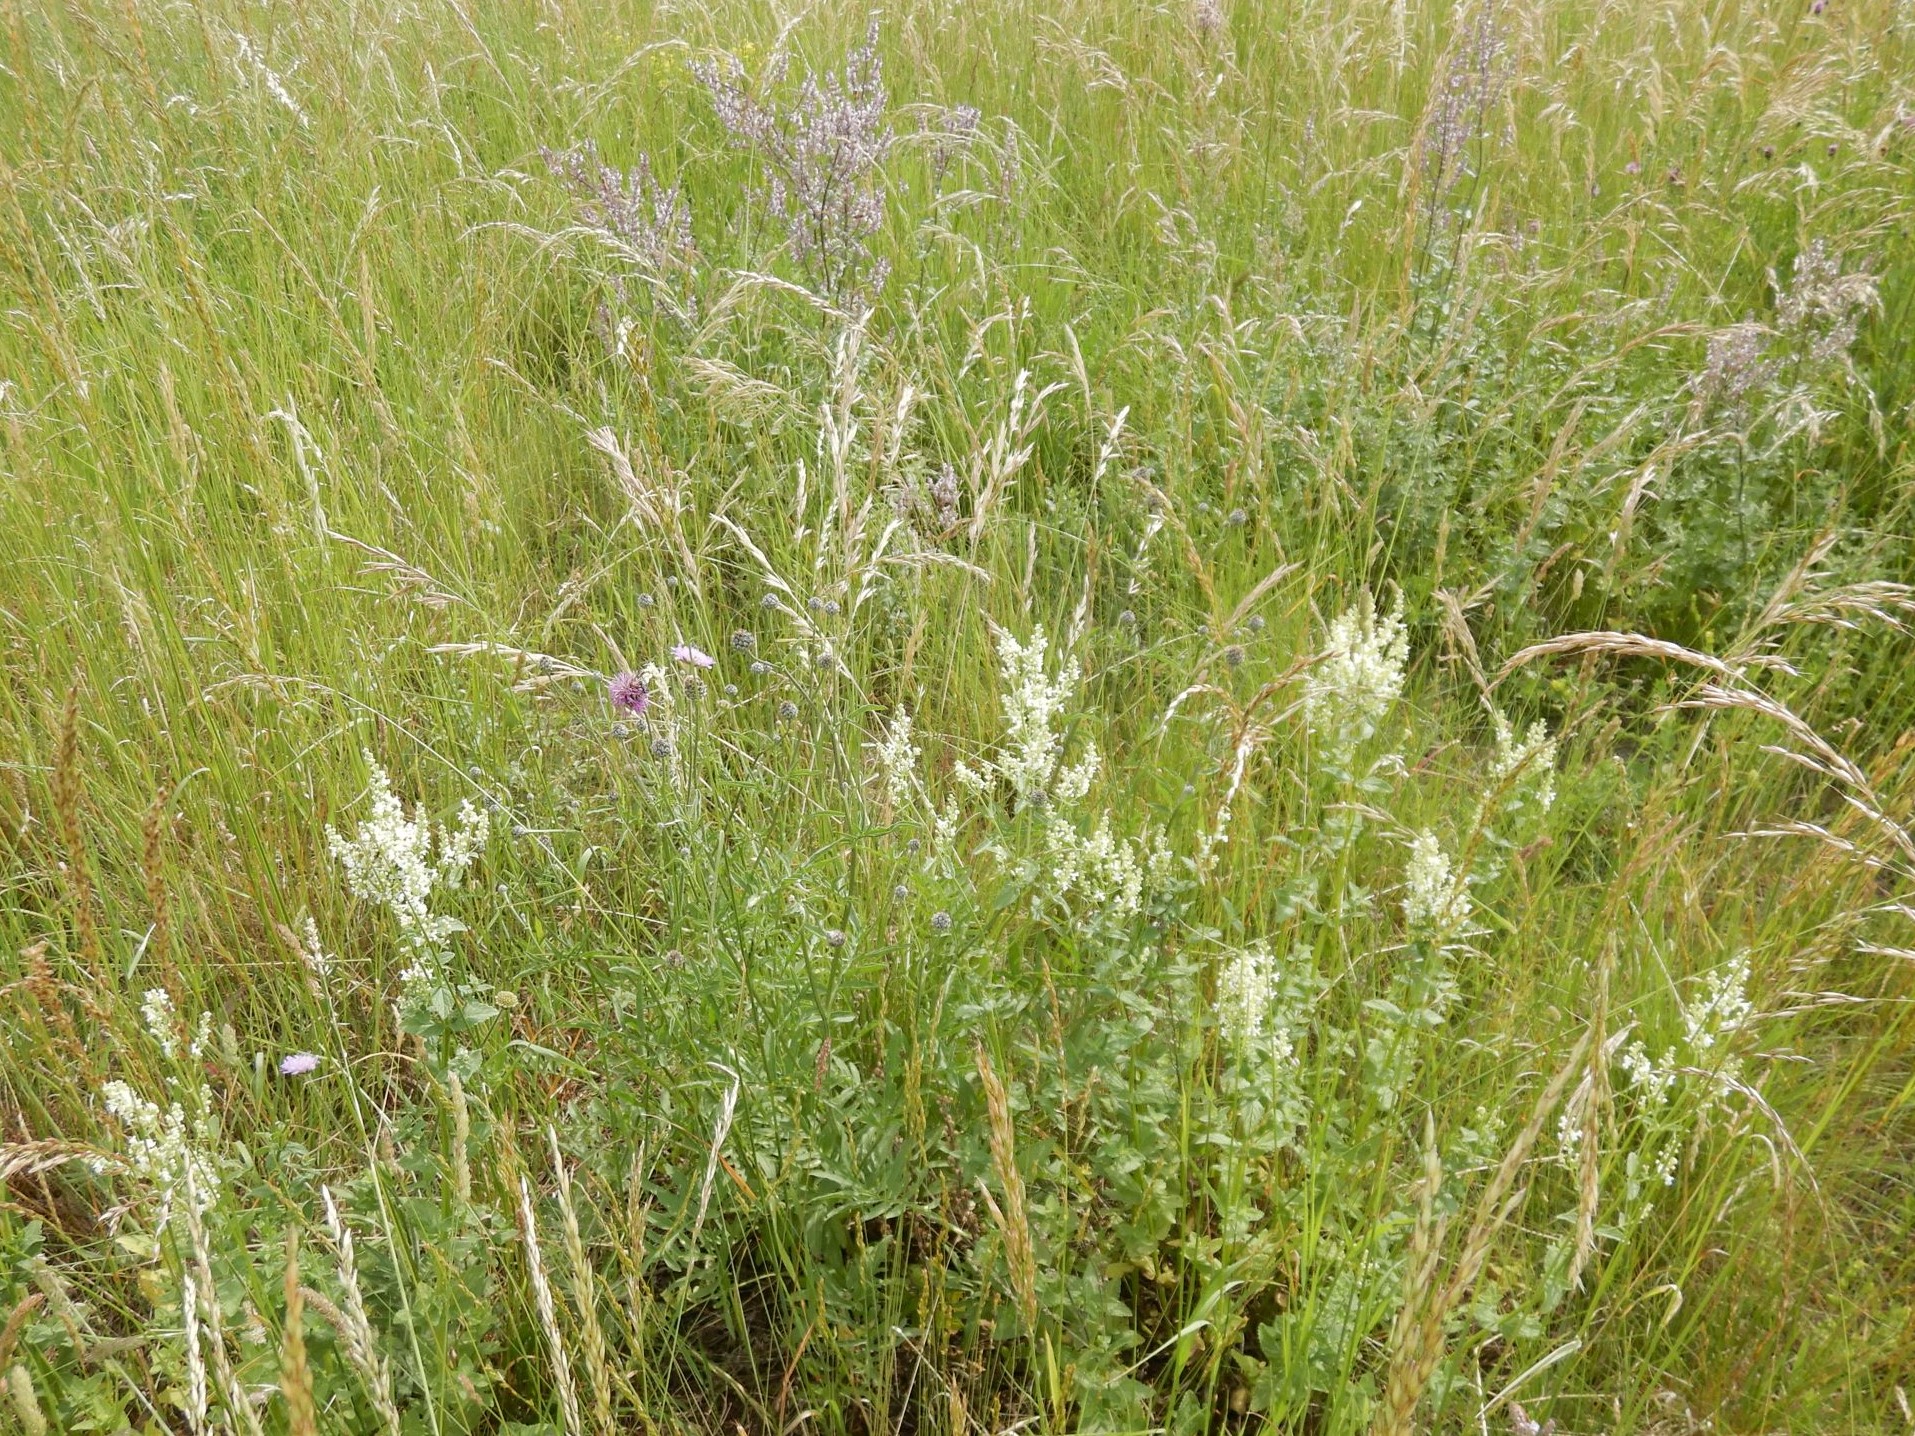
697 657
298 1064
1634 167
628 692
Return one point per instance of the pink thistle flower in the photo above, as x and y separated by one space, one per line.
627 691
697 657
298 1064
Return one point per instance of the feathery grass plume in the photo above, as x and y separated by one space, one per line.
196 1388
17 1319
1013 1218
598 1365
44 988
295 1375
721 1128
548 1313
239 1409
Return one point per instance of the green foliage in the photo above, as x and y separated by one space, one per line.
1270 790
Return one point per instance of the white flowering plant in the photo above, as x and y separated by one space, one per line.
401 862
1080 867
1403 524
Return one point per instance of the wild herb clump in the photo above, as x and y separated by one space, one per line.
968 721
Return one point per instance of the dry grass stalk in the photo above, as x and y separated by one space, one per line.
727 1109
66 809
548 1313
1635 645
295 1376
16 1323
461 1140
538 670
153 869
206 1296
1012 1219
29 1159
1823 757
352 1324
656 504
196 1397
1592 1097
598 1365
1416 1344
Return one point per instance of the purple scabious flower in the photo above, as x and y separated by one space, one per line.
697 657
298 1064
628 692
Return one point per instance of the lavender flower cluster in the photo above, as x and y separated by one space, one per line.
645 222
825 154
1472 87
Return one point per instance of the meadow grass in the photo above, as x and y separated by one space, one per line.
987 717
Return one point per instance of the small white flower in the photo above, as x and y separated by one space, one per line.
898 759
1104 871
1032 703
1723 1011
156 1014
1434 898
1246 988
1074 782
390 861
1651 1078
163 1149
1350 690
1527 765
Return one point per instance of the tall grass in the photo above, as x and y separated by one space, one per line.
981 718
